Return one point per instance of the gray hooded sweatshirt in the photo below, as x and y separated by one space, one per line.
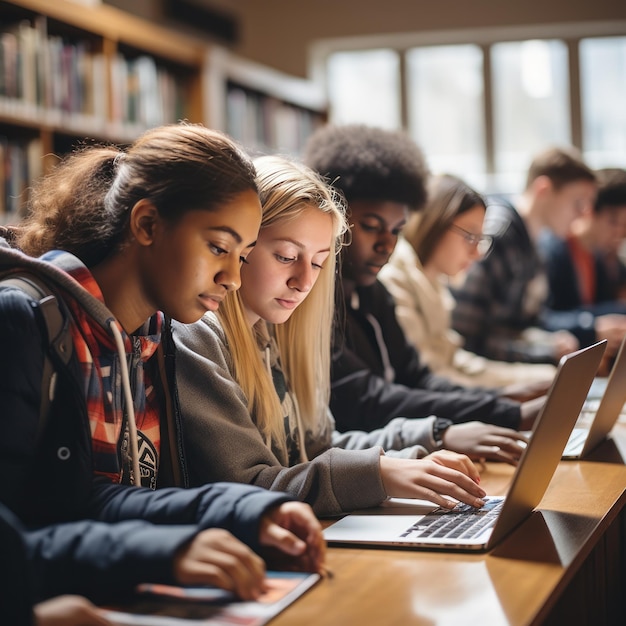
334 472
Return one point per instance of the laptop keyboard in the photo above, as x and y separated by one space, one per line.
575 442
462 522
590 407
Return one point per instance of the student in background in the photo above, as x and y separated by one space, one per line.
437 243
377 374
129 238
254 378
501 304
584 269
613 194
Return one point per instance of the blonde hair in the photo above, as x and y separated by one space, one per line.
287 189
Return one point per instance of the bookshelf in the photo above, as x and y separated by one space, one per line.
264 109
72 73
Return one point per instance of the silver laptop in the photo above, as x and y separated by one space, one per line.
466 528
603 418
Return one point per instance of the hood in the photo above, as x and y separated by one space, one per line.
55 274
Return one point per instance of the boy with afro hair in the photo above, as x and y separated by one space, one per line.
376 373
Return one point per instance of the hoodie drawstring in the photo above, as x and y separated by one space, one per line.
301 442
300 430
389 372
130 409
268 367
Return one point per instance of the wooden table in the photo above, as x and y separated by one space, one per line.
564 564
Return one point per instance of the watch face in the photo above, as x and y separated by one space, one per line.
439 428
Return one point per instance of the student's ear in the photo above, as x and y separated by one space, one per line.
541 185
144 218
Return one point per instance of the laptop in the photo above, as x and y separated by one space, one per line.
610 407
467 528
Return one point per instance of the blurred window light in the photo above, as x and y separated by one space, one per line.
444 92
445 103
536 69
364 88
531 106
603 95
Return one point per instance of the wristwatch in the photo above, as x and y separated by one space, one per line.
439 428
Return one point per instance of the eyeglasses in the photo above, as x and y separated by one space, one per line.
482 243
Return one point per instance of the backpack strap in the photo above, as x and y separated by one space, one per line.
58 333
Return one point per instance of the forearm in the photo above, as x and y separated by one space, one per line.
337 481
102 561
581 323
519 349
358 406
413 436
325 482
234 507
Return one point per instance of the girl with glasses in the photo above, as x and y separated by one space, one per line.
437 244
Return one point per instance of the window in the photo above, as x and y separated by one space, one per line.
603 91
530 105
445 108
482 104
352 99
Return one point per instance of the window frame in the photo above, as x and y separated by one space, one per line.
570 34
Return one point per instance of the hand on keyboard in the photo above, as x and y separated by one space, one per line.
437 478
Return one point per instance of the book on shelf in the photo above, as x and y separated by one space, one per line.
264 123
20 163
144 94
63 82
46 75
166 605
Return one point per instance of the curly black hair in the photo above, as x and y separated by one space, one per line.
369 163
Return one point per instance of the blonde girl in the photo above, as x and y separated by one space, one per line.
254 378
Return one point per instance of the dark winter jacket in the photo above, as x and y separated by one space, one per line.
90 530
16 600
377 374
564 289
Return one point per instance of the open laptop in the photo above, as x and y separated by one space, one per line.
466 528
584 440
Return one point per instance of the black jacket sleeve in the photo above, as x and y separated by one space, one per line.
235 507
564 307
16 593
102 562
363 398
21 367
120 533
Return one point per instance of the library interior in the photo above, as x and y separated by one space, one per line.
492 247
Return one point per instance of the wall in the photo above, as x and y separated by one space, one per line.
278 33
